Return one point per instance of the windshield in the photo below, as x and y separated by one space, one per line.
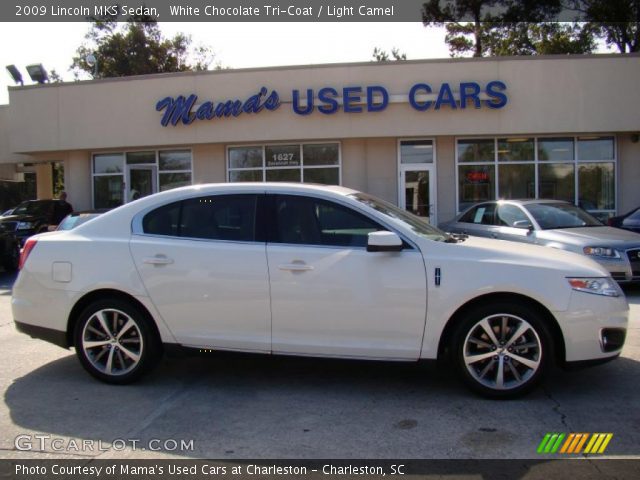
406 219
561 215
32 208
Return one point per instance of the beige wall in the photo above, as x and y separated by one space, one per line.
7 157
628 173
550 95
546 95
445 165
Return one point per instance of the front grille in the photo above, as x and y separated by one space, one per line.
634 260
612 339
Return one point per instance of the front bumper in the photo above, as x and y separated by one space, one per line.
593 327
622 270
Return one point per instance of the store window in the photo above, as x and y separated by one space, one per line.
309 163
580 170
125 176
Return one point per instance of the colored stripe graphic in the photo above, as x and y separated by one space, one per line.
555 443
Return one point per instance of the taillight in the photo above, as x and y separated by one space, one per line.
31 242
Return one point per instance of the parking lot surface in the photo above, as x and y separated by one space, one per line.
234 407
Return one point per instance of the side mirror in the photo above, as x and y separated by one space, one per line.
523 224
384 242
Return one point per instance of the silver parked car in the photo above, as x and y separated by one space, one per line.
556 224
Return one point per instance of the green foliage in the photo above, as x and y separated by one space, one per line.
616 21
137 47
507 27
380 55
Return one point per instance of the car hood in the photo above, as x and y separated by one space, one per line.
19 218
523 254
591 236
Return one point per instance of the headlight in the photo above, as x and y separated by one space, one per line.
598 286
605 252
24 225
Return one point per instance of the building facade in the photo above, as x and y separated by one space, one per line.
433 136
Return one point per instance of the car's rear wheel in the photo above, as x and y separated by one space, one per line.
502 350
115 341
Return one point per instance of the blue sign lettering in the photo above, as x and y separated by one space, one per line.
180 109
355 99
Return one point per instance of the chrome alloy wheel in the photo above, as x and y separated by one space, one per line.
112 342
502 351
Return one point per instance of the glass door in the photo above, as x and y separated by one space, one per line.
417 179
142 181
416 193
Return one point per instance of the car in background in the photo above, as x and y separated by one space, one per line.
629 221
76 219
31 217
556 224
6 213
9 250
310 270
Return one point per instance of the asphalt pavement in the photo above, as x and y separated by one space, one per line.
245 406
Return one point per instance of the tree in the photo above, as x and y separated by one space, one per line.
507 27
617 21
136 47
380 55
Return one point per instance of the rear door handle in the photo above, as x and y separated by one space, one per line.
295 267
158 260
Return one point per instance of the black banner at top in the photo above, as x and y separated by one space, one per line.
284 10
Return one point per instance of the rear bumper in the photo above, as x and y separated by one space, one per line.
48 334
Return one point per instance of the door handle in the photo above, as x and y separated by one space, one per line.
158 260
295 267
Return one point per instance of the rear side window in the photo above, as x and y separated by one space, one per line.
482 214
163 220
215 217
310 221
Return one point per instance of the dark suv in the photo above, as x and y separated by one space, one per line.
9 250
31 217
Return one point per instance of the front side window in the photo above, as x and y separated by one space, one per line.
310 221
215 217
508 215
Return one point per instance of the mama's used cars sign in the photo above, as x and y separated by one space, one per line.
329 100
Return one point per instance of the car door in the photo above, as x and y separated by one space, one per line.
479 221
513 224
204 266
329 296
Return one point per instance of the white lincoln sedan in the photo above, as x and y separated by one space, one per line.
311 270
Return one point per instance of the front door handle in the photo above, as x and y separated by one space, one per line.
158 260
295 267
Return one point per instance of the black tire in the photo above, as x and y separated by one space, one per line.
482 358
127 350
12 260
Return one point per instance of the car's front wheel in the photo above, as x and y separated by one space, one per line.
115 341
502 350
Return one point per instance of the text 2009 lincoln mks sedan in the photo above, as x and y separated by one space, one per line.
310 270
